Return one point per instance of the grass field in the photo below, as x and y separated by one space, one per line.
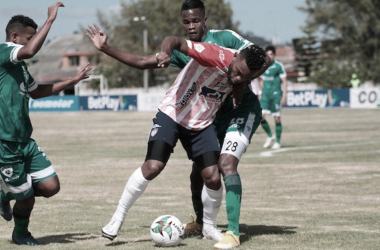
321 190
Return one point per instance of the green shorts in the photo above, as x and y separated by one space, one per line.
235 127
22 164
271 102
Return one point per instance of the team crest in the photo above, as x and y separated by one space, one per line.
199 47
154 130
7 171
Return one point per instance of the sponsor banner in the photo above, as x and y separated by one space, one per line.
55 103
112 102
318 98
365 98
149 101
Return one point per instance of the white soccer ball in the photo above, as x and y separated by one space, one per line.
167 230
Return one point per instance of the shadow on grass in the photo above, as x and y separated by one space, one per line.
65 238
249 231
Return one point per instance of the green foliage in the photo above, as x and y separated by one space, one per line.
349 32
163 18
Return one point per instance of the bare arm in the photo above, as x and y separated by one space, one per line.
36 42
169 44
99 39
51 89
284 90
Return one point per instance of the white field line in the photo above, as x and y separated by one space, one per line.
270 153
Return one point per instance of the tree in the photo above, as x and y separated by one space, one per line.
162 18
348 32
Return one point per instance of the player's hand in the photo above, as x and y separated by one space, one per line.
98 37
82 73
163 60
283 101
53 10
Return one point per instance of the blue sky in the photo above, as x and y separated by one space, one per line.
271 19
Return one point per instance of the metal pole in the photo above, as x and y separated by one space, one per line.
145 36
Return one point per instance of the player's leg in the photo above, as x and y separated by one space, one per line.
5 206
16 182
203 148
265 105
276 112
196 186
162 139
242 127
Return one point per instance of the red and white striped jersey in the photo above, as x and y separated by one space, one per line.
201 87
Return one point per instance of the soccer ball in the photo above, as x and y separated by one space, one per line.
167 230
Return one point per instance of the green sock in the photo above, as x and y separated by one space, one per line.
233 200
266 128
278 132
21 218
198 206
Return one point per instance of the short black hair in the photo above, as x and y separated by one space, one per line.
271 48
193 4
254 56
19 21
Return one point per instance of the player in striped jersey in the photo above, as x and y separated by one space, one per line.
192 108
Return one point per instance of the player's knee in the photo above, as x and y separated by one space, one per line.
152 168
211 177
227 165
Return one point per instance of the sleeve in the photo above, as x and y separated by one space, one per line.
210 55
179 60
9 54
233 40
282 70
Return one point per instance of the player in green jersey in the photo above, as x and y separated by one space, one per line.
235 126
273 97
25 170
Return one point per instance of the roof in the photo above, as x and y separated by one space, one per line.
48 68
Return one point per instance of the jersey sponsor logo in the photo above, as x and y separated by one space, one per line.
211 95
199 47
187 96
222 56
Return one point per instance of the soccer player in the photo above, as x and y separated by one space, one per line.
25 170
273 97
200 93
236 125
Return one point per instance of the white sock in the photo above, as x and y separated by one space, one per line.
136 185
212 200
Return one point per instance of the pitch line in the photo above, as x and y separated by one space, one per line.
271 153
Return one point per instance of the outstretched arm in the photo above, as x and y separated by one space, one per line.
99 39
52 89
35 43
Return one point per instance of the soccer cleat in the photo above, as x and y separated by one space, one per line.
192 227
26 239
211 233
5 209
276 145
268 142
229 241
110 230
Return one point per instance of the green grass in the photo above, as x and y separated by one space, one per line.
320 191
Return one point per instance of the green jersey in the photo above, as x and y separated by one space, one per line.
15 84
272 78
